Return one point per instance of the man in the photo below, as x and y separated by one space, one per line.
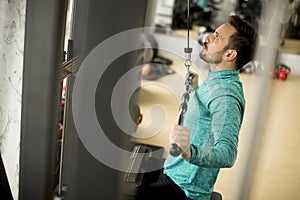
209 135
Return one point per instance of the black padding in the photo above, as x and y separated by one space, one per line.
215 196
5 192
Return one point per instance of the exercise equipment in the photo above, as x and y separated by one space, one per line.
175 150
201 11
144 158
132 179
69 67
155 65
281 72
154 71
5 192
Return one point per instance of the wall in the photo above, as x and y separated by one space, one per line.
292 61
12 26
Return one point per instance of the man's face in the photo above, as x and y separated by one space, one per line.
213 48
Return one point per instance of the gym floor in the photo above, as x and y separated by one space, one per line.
271 119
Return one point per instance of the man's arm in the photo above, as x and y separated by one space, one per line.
226 116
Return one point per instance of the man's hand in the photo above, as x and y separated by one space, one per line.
195 80
181 136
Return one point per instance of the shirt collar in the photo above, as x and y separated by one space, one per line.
222 74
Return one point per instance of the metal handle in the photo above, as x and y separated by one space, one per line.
175 150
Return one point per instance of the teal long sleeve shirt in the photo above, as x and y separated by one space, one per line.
214 117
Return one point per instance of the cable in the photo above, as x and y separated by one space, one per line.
187 24
175 150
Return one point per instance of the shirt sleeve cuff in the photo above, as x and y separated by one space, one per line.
195 88
193 153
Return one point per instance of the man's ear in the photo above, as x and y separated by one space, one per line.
230 55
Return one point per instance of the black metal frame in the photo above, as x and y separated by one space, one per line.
43 53
43 56
5 191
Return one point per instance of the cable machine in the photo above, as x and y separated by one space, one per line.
175 149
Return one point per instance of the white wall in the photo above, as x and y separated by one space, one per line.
292 61
12 27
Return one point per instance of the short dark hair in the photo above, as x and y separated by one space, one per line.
243 41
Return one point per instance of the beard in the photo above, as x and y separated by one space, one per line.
212 58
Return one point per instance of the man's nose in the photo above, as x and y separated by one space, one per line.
208 38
